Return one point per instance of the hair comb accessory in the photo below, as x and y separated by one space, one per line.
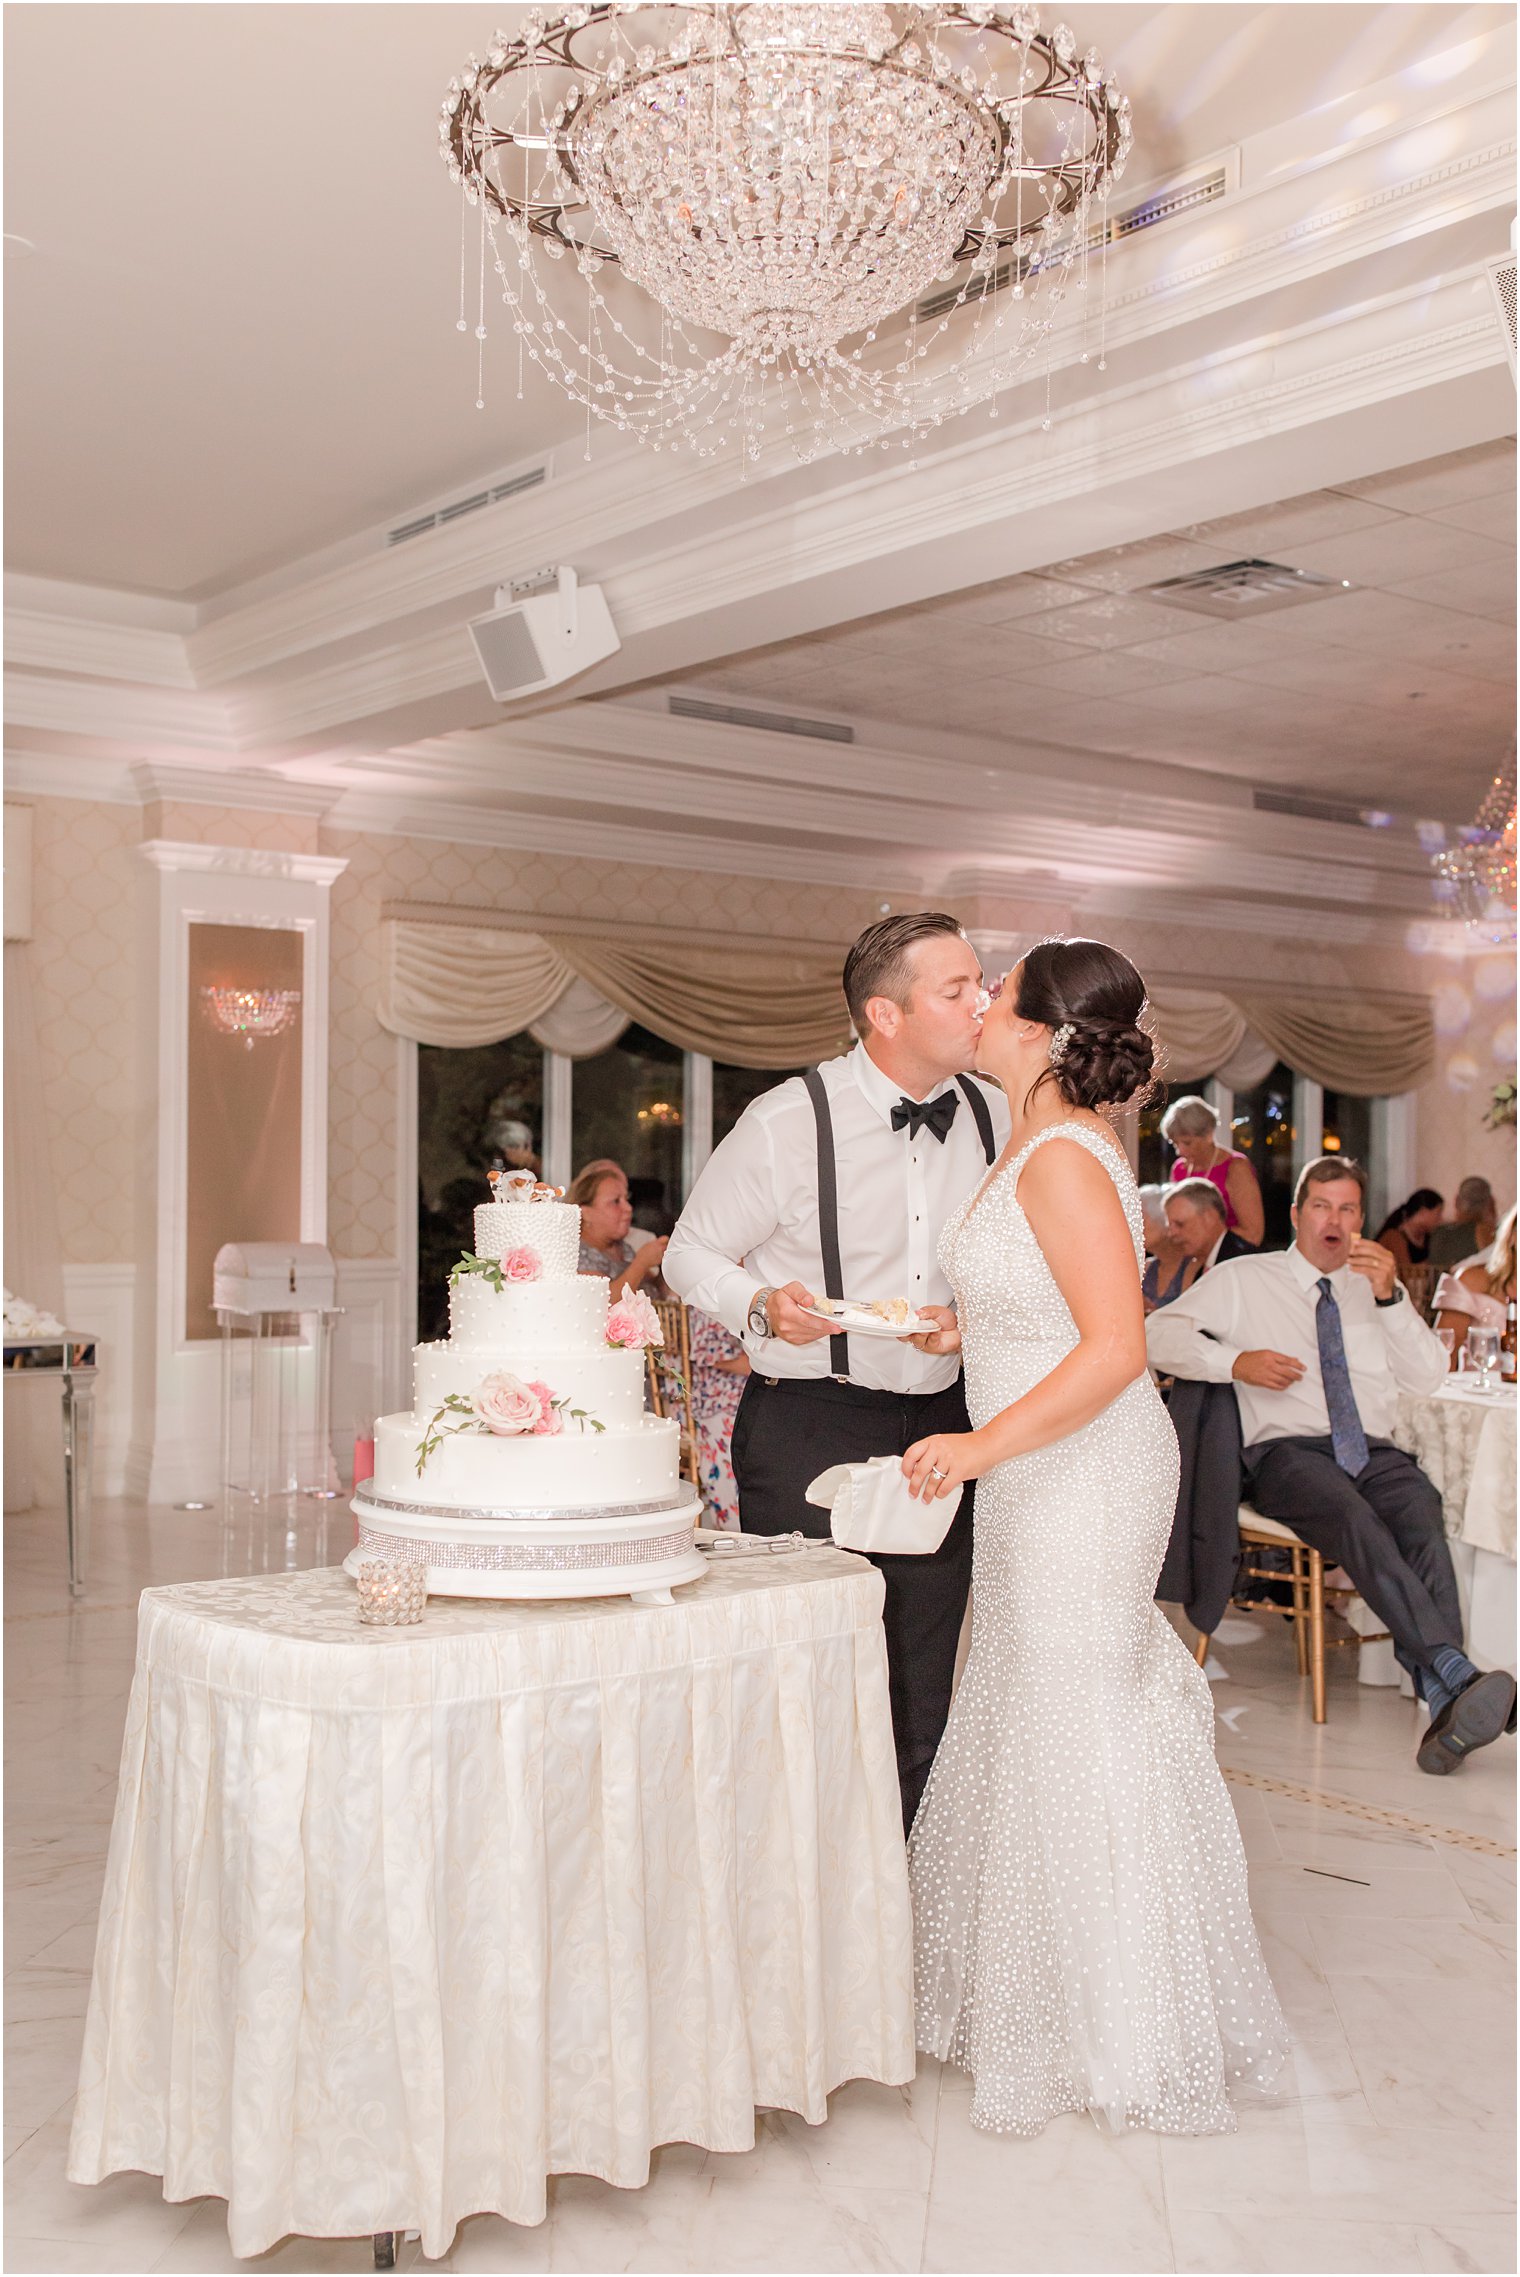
1060 1040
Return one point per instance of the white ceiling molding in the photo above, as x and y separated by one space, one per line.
1330 209
192 856
1169 424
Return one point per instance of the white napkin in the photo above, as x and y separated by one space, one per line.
871 1509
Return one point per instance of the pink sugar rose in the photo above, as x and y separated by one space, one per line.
508 1406
521 1265
633 1323
551 1423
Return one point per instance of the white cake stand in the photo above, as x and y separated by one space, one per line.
641 1551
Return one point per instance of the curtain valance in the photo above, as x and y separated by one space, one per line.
754 1004
746 1002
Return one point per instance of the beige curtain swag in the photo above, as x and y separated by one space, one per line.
450 981
746 1002
1367 1047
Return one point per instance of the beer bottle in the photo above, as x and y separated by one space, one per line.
1507 1345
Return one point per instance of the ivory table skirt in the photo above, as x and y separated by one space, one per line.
1464 1441
399 1922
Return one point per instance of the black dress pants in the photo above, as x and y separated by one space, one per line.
1384 1527
785 1433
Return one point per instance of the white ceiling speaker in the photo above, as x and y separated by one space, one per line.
534 640
1501 279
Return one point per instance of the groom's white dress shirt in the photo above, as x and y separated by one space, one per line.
1271 1303
757 1199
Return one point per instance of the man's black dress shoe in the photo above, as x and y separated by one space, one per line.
1480 1712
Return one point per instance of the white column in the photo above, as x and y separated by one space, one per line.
697 1110
1308 1121
1392 1168
1222 1099
176 1433
557 1131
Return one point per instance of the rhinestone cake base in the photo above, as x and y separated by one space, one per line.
531 1557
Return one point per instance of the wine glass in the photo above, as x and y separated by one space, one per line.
1447 1339
1483 1357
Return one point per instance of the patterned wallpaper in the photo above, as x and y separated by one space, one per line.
85 878
86 940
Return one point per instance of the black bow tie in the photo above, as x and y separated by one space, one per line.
939 1114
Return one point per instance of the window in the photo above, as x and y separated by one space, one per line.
628 1104
1263 1132
734 1087
1348 1127
474 1108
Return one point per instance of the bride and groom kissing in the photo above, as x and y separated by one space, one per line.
1083 1939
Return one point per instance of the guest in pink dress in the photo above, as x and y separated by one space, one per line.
1191 1127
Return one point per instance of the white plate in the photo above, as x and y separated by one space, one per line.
868 1323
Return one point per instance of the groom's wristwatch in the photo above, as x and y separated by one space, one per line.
759 1316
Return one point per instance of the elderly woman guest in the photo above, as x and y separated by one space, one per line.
1191 1127
1166 1269
1405 1232
1480 1296
600 1193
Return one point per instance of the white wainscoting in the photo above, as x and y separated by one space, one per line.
98 1300
372 1361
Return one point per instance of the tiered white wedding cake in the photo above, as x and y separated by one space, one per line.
528 1467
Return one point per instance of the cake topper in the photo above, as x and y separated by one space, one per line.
522 1186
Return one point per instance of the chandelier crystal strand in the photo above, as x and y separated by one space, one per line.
1479 872
787 181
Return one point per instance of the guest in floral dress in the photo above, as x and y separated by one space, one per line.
719 1366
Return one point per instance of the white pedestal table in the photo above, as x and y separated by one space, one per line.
399 1922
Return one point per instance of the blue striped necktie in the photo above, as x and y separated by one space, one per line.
1346 1434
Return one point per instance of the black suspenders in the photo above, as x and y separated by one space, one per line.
828 1192
828 1213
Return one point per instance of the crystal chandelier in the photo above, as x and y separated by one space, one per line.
1478 873
251 1012
785 183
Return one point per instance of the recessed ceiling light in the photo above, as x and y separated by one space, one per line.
18 248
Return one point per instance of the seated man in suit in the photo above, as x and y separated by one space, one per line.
1195 1214
1319 1341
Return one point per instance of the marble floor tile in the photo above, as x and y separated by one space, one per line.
1467 2245
747 2223
1432 2052
1293 2244
875 2137
1398 1893
1313 2161
485 2241
125 2217
1070 2198
41 2068
1392 1949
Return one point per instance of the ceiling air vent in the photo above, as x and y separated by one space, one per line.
779 723
1172 201
1501 277
528 478
1245 588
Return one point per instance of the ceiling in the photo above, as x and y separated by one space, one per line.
235 341
1399 693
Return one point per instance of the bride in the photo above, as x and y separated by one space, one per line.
1083 1936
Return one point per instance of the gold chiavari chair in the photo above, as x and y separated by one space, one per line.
1420 1281
1312 1594
670 1378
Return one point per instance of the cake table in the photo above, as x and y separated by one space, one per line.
399 1922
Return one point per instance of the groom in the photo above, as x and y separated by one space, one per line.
839 1182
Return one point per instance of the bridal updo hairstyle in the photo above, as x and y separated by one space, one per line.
1108 1059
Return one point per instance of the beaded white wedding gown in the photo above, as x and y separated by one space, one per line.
1083 1938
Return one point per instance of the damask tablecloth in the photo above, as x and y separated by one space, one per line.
1464 1441
397 1923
